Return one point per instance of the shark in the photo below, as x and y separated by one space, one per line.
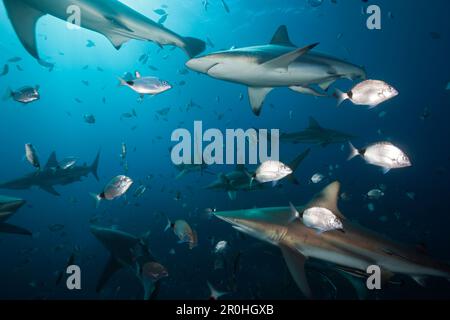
52 174
127 251
316 134
351 251
278 64
111 18
8 207
240 179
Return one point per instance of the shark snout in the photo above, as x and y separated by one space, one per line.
201 64
11 204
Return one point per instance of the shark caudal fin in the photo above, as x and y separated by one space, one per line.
193 46
23 19
294 164
353 151
94 166
12 229
340 96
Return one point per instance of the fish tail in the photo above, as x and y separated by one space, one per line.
96 198
169 225
353 151
340 96
122 82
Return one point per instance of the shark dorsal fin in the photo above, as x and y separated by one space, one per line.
313 124
328 198
52 161
24 19
283 61
281 37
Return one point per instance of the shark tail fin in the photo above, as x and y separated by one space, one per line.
8 94
96 198
353 151
193 46
340 96
295 164
94 166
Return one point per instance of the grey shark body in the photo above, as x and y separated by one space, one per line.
8 207
126 251
240 179
278 64
316 134
51 175
116 21
351 251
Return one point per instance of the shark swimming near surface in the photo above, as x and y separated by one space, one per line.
52 174
351 251
316 134
128 251
111 18
278 64
8 207
241 180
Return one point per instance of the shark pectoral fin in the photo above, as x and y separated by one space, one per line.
232 195
12 229
283 62
358 283
307 90
296 265
117 40
111 267
257 96
24 19
328 199
49 189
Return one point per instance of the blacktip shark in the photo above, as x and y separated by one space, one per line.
241 179
53 174
128 251
278 64
111 18
316 134
352 251
8 207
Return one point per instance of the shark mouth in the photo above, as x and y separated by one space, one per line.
212 67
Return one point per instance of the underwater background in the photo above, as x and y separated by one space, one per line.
411 52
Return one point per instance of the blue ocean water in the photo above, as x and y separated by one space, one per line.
410 52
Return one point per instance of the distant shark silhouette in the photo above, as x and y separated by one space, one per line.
52 174
240 179
8 207
316 134
111 18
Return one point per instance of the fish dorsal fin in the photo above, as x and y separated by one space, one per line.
24 19
313 124
138 75
296 265
281 37
52 162
283 61
328 198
